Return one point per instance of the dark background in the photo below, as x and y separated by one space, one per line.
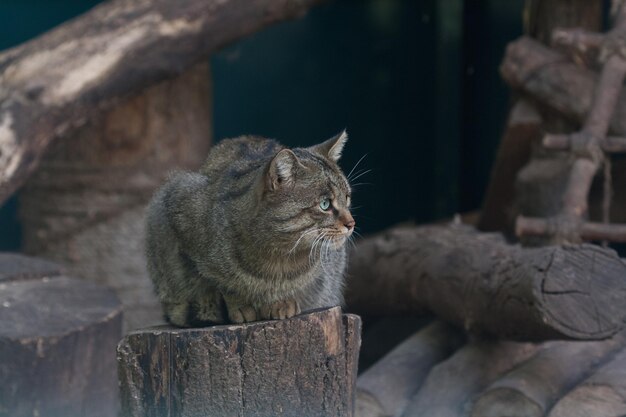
415 83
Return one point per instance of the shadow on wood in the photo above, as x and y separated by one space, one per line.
304 366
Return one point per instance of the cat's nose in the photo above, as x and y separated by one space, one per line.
348 221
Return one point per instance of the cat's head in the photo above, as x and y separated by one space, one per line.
308 197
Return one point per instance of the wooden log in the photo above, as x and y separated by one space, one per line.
478 281
603 394
387 387
54 83
57 348
451 385
304 366
532 388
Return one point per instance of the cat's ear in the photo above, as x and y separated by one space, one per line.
333 147
282 169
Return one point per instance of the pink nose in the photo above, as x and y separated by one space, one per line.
348 221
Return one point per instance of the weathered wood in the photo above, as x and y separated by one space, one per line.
386 388
54 83
531 226
304 366
523 128
97 181
603 394
533 387
15 267
553 80
57 348
478 281
451 385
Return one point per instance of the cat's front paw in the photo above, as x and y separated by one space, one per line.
243 314
280 310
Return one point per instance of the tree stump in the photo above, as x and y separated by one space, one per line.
57 343
304 366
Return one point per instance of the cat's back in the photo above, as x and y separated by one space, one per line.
237 157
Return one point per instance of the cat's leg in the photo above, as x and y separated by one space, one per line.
208 307
239 311
280 310
176 313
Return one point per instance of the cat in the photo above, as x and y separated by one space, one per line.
258 233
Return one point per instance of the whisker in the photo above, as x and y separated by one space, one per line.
300 238
355 165
360 174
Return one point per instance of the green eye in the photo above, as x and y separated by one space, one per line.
325 204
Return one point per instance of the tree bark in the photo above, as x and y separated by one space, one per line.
57 343
84 207
452 384
387 387
478 281
56 82
602 394
304 366
532 388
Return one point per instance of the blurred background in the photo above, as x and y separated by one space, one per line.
415 83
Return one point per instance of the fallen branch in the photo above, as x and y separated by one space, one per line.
54 83
478 281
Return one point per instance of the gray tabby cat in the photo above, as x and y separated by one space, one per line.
258 233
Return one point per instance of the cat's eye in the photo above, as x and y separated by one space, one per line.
325 204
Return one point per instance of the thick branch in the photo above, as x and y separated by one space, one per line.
478 281
52 84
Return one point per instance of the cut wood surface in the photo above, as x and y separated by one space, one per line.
478 281
57 344
386 388
54 83
603 394
452 384
304 366
533 387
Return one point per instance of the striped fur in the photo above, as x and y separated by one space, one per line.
245 238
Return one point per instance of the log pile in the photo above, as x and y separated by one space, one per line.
487 287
